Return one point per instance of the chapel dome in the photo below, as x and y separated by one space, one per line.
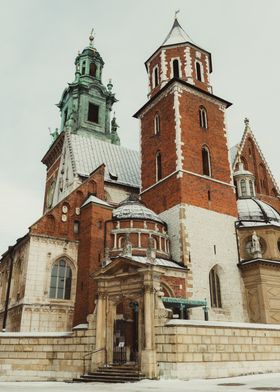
252 209
132 208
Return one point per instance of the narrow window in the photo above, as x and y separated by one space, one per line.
92 69
93 112
215 289
76 227
65 116
198 71
243 187
251 188
209 195
83 67
61 279
158 167
157 124
203 117
278 245
176 73
155 76
206 170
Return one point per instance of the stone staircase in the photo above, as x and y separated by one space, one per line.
113 374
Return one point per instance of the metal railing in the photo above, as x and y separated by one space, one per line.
91 353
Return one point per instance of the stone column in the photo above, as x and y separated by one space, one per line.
111 316
148 354
98 357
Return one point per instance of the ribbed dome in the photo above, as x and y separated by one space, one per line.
133 209
256 210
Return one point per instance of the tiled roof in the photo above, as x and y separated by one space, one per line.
122 164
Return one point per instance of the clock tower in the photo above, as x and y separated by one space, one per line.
185 170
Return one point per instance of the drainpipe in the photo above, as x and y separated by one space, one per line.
11 250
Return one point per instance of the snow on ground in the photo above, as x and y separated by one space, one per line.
260 382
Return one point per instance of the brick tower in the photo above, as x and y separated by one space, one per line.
186 174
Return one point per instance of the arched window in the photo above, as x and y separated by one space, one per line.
155 76
206 167
83 67
61 279
251 186
243 187
263 179
158 167
92 69
203 117
157 124
176 72
198 71
245 164
215 289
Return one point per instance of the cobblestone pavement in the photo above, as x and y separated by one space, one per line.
261 383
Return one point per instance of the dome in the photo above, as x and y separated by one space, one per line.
133 209
256 210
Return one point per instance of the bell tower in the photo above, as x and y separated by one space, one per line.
86 103
185 169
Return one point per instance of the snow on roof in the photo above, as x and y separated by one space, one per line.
257 210
158 261
176 35
96 200
122 164
133 209
221 324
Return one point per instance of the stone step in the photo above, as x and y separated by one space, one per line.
112 374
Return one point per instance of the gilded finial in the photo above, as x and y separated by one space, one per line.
176 12
91 38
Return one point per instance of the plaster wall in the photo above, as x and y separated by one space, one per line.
202 239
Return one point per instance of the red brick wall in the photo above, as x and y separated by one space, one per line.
178 52
91 252
164 142
51 223
254 163
189 189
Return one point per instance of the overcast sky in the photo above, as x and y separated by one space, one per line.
39 42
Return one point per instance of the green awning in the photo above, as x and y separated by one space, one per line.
189 303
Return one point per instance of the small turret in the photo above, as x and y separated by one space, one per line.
86 103
244 180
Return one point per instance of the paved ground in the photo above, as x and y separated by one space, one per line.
264 382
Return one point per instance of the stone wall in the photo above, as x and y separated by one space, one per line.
196 349
46 356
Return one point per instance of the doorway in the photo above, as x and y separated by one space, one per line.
125 336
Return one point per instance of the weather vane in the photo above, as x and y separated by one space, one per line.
91 37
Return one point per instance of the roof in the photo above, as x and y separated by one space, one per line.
133 209
176 35
183 82
233 151
122 164
157 261
95 200
256 210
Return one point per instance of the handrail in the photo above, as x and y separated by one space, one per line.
90 353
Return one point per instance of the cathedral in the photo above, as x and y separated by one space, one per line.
185 229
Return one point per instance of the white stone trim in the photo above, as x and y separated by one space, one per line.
187 172
188 62
178 132
163 74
